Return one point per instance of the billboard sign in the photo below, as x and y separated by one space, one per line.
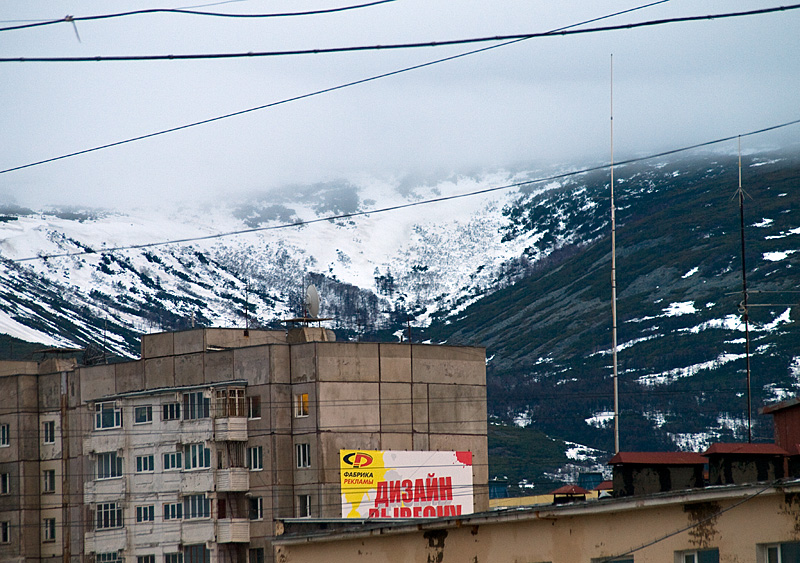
402 484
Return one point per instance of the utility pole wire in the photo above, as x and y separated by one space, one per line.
403 205
395 46
193 13
316 93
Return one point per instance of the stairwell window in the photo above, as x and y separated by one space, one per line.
5 483
49 431
107 415
303 506
255 458
49 529
301 405
256 508
4 436
303 452
5 532
49 481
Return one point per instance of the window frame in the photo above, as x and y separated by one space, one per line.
303 455
173 511
255 507
5 483
173 557
49 432
108 516
150 558
49 481
301 405
5 532
196 406
146 411
196 457
48 530
255 555
196 507
101 410
108 557
253 407
142 462
145 513
255 458
304 506
171 411
173 461
5 435
115 466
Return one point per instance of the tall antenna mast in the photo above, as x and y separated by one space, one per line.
614 274
743 307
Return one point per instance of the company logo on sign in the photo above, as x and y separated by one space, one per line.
358 459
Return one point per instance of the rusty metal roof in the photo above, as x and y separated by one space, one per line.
658 458
570 490
745 449
769 409
605 486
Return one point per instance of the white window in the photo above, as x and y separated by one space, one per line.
5 483
145 559
301 405
145 513
49 529
230 403
49 430
4 435
254 406
109 465
144 464
107 415
173 461
788 552
256 508
197 456
113 557
195 405
173 511
255 458
303 455
173 557
109 515
5 532
49 480
143 415
172 411
197 506
303 506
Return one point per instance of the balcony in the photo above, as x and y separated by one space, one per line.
233 530
197 481
105 541
232 429
233 480
197 531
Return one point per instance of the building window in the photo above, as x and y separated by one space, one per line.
172 411
113 557
256 508
173 511
196 554
303 506
700 556
5 532
142 415
197 506
49 478
5 483
173 558
255 458
49 529
254 407
145 513
144 464
4 435
230 403
256 555
173 461
109 465
107 415
49 429
109 515
303 455
145 559
301 405
780 552
197 456
195 406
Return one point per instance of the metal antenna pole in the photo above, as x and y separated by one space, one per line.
614 275
745 314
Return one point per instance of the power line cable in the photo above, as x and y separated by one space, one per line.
396 46
315 93
560 176
72 19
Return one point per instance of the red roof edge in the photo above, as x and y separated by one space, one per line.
658 458
746 449
570 490
774 407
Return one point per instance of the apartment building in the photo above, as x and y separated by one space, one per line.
189 454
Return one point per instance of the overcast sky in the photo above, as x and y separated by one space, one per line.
538 102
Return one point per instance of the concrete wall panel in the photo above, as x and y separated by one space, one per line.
129 376
347 361
159 372
97 381
395 362
346 407
158 345
218 366
457 409
449 364
395 407
189 369
252 364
